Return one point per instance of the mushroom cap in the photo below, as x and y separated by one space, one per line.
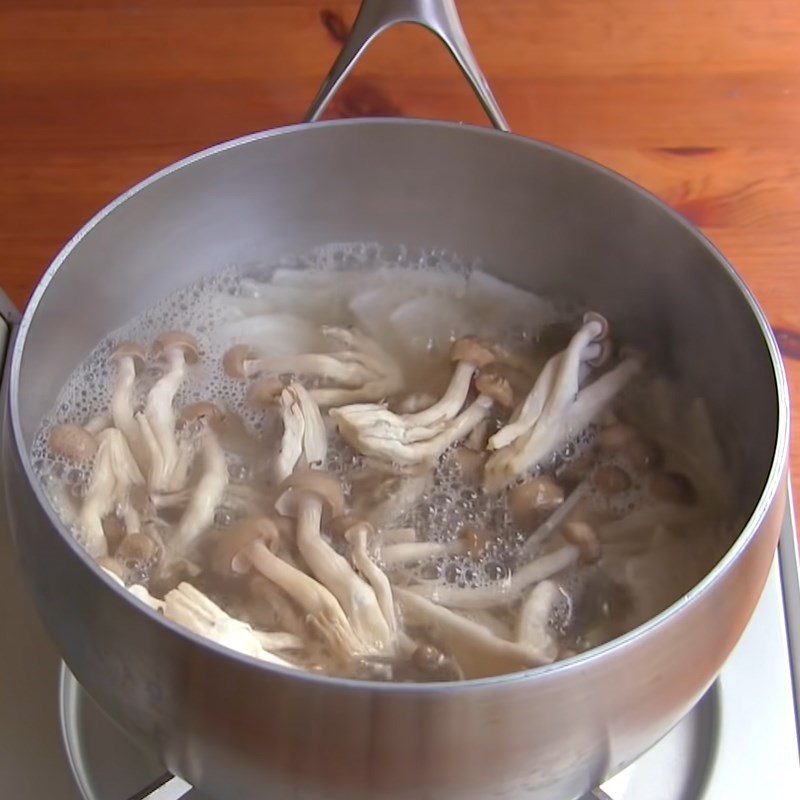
177 339
234 358
132 350
495 386
72 442
585 539
264 392
473 351
314 481
541 493
604 356
202 410
593 316
611 479
238 537
138 548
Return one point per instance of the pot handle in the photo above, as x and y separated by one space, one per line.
9 317
440 17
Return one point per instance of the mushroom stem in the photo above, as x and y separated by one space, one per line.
451 401
503 592
192 609
533 620
304 434
205 498
356 596
555 520
479 653
122 405
357 537
325 615
396 555
114 473
556 424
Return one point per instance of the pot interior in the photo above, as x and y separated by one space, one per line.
534 215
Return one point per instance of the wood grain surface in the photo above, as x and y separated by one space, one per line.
698 100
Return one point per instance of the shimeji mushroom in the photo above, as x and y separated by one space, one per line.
136 589
561 410
250 543
130 359
361 371
189 607
305 440
357 535
469 355
479 652
207 495
306 496
379 433
114 474
561 374
582 545
168 461
73 443
533 619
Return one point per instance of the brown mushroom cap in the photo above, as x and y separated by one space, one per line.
315 481
473 351
202 410
495 386
611 479
72 442
614 437
113 566
130 350
474 541
540 494
177 339
264 392
239 537
233 360
585 539
138 548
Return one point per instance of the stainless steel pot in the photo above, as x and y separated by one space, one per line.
538 216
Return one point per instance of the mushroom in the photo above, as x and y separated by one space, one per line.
130 360
306 495
533 619
305 440
250 543
555 520
582 545
561 372
404 553
376 431
112 569
469 355
73 443
168 465
189 607
530 499
560 409
360 371
204 499
357 536
611 479
479 653
115 472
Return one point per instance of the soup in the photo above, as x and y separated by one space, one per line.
387 466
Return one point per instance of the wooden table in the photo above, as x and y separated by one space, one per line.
698 100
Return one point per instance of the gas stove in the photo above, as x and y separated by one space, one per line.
740 741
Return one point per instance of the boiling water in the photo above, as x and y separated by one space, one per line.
413 305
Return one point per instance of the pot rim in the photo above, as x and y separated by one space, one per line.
772 483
